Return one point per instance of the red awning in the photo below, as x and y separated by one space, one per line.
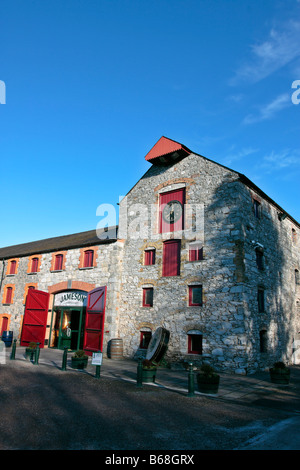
166 149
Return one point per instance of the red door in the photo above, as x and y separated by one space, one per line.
35 317
94 321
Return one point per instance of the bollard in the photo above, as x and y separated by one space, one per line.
64 361
139 375
97 375
37 353
13 351
191 381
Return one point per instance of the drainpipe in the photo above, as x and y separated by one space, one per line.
2 275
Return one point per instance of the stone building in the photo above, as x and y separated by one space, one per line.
200 250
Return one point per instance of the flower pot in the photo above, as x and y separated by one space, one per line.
79 362
148 375
30 353
207 384
280 376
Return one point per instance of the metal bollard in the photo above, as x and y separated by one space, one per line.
98 369
191 381
139 375
13 351
64 361
37 353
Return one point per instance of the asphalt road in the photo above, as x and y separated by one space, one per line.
44 408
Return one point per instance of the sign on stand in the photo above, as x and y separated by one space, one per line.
97 359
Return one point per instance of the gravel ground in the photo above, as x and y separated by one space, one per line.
43 408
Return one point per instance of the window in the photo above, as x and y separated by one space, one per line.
297 279
88 259
195 296
148 297
149 257
58 262
195 252
256 208
171 258
294 235
194 343
8 296
171 210
34 265
261 300
263 341
145 339
13 267
259 259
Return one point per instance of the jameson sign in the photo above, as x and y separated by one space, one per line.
70 299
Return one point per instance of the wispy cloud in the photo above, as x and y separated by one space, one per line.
280 49
285 159
268 110
234 156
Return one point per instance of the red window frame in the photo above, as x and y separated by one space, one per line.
8 295
195 254
171 258
147 302
149 257
164 198
88 259
192 302
195 344
145 337
58 262
34 265
13 267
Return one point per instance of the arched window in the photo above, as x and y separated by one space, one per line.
8 297
34 265
13 267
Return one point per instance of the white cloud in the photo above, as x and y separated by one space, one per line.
285 159
269 110
280 49
240 155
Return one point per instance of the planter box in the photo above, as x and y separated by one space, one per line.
280 376
79 362
148 375
208 385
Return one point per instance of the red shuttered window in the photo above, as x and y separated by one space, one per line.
34 265
195 296
148 297
88 259
175 221
171 258
58 262
149 257
13 267
8 297
195 253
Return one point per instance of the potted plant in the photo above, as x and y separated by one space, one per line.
280 373
148 371
31 350
79 360
208 380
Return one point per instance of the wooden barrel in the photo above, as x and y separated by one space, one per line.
116 348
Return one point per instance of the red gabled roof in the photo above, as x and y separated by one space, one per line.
166 147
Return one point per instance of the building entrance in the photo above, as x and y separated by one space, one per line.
67 328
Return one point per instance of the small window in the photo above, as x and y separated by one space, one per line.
195 253
88 259
149 257
58 262
194 344
256 208
13 267
195 296
148 297
294 236
34 265
263 341
261 300
8 297
259 259
297 278
145 339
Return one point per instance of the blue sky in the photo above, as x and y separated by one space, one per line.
92 85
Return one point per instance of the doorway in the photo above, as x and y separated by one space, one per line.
67 328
